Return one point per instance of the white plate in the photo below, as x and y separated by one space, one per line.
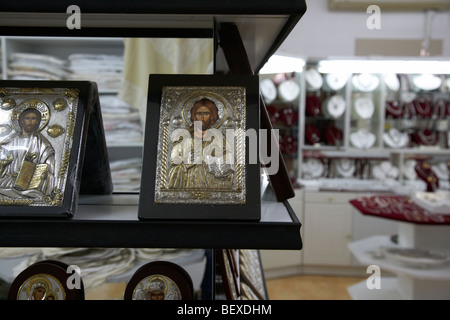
336 81
335 106
408 169
345 167
268 90
365 82
364 107
313 168
385 171
395 139
314 80
362 139
441 170
413 257
288 90
427 82
391 81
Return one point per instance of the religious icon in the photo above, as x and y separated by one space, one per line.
35 145
41 287
201 148
202 145
48 130
47 280
28 157
156 287
159 280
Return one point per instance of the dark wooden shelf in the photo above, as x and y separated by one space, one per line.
112 221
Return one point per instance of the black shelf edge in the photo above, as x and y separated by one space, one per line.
265 7
133 233
104 32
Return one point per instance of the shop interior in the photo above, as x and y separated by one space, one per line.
359 95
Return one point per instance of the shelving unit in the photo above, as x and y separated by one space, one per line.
334 109
284 115
111 221
376 124
332 173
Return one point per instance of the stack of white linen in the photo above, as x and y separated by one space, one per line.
106 70
121 121
97 265
126 174
33 66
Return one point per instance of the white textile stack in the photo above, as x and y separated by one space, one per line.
105 70
32 66
126 174
97 265
168 254
121 121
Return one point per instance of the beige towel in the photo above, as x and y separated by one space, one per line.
145 56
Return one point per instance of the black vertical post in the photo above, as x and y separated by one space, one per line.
237 59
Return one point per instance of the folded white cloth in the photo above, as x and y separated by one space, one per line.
49 59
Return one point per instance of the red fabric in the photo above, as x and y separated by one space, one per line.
333 136
397 207
312 134
313 106
289 116
274 115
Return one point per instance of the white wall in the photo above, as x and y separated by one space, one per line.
322 33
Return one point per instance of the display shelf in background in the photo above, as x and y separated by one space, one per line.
344 130
366 117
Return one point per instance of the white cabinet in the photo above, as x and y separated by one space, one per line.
336 224
327 229
330 224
